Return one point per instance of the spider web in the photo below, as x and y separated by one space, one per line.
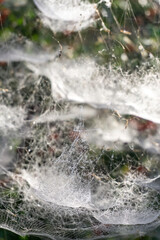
79 140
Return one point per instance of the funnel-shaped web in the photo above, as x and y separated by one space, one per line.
84 81
68 196
56 14
17 49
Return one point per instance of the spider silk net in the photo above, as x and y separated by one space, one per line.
56 14
79 141
58 186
